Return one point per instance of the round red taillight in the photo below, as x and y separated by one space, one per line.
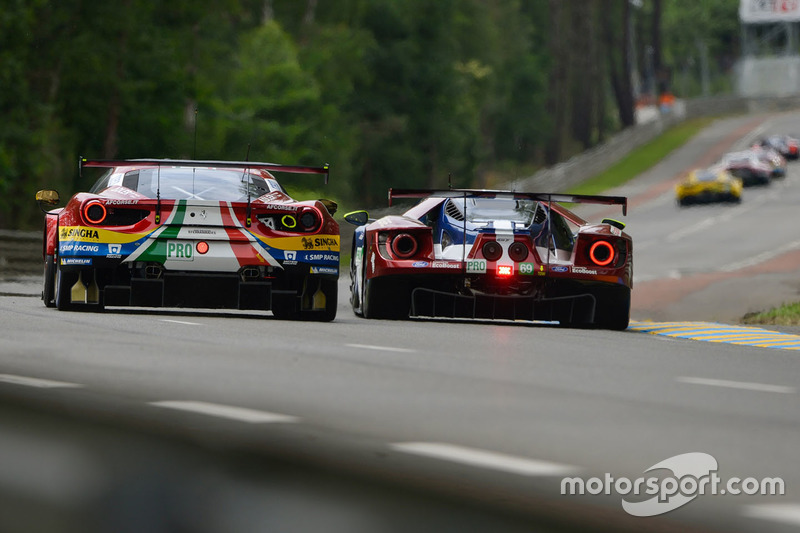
94 212
201 247
601 253
518 252
309 220
404 245
492 251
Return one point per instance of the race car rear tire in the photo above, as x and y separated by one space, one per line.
49 287
613 308
355 296
385 298
64 280
330 288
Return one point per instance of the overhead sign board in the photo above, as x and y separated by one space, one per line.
754 11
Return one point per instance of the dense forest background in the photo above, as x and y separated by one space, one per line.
388 92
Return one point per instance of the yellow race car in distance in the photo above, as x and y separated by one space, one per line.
709 185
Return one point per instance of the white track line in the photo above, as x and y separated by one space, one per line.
37 382
743 385
484 459
380 348
180 322
760 258
240 414
788 513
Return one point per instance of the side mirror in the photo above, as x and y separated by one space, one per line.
330 205
48 197
357 218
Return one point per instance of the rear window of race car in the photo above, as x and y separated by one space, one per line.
491 209
191 183
706 176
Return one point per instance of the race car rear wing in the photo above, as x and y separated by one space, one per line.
111 163
539 197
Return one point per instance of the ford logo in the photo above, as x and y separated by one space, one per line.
419 264
560 269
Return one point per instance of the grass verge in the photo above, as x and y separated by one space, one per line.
644 157
785 315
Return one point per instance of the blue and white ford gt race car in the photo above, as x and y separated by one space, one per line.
465 253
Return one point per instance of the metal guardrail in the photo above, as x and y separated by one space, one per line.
20 252
585 165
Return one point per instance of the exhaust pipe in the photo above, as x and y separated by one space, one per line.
153 271
250 273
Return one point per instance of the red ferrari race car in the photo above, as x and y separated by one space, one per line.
174 233
463 253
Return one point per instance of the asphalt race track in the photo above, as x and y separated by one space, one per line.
486 417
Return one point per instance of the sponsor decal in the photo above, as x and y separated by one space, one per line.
80 233
202 231
329 243
321 257
476 266
445 264
583 270
616 231
420 264
91 248
313 243
291 257
114 251
96 235
559 268
324 270
79 247
122 202
180 251
76 261
281 207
